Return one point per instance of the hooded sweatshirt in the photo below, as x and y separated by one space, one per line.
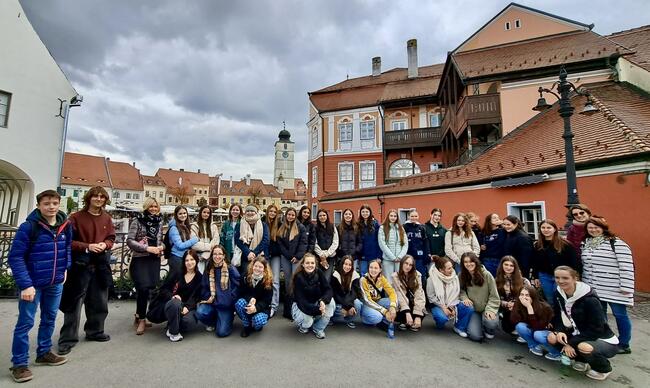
417 238
485 297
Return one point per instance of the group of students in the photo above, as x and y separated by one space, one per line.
387 275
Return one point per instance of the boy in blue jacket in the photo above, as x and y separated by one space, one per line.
39 259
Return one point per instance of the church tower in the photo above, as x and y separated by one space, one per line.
283 173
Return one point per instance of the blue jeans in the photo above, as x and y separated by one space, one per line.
318 323
548 287
48 298
422 266
479 324
175 267
491 264
338 313
257 320
220 318
363 267
389 266
370 316
623 322
464 315
536 338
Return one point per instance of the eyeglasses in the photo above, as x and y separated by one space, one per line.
581 213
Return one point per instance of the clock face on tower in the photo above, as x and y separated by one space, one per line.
285 154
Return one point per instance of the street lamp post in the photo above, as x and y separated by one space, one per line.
565 87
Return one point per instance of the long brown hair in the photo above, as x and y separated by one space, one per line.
93 191
366 225
328 226
556 241
467 230
488 228
468 279
210 264
601 222
410 279
516 280
386 227
301 269
289 228
274 224
241 211
543 311
343 225
346 278
205 226
183 227
267 280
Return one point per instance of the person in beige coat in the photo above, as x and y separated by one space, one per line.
411 302
208 234
460 239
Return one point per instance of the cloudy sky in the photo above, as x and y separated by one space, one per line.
207 84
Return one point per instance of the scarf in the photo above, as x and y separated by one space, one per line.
151 224
256 279
582 289
225 276
594 242
447 288
246 234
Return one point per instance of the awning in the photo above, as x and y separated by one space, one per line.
521 181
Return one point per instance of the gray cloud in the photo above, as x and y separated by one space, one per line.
203 84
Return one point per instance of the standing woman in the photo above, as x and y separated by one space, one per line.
532 317
227 237
220 287
492 245
327 241
479 290
518 244
411 301
346 290
475 223
443 291
576 233
177 299
393 243
256 292
608 268
550 251
208 235
180 236
368 231
460 240
145 241
418 244
272 220
292 243
349 239
304 216
379 299
313 304
580 326
509 284
436 234
252 237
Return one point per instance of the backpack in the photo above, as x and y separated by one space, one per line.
168 246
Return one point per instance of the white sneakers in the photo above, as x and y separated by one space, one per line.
592 374
460 332
488 335
174 337
209 328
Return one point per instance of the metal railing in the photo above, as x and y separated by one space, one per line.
416 137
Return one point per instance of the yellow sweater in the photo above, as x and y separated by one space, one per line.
372 292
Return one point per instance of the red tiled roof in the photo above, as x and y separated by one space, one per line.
152 180
124 176
84 170
366 91
170 177
536 53
637 40
240 188
620 129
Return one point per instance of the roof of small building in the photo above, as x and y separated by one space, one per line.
621 129
170 177
84 170
124 176
152 180
256 186
637 40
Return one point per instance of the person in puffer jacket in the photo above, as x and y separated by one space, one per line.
349 238
416 234
393 243
39 259
368 232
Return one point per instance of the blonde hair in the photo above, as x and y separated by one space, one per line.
148 202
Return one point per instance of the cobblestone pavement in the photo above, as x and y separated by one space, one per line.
641 307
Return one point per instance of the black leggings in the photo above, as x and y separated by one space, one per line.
141 302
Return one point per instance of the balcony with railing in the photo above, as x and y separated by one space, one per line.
479 109
413 138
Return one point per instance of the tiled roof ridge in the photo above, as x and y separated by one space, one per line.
630 134
523 42
629 31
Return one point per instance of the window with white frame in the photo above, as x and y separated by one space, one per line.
5 99
367 174
314 211
146 193
517 23
530 214
403 168
345 136
404 214
314 138
435 119
507 26
161 195
398 125
314 182
128 195
368 130
136 195
435 166
116 194
346 176
338 217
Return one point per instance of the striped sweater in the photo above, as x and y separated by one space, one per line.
609 273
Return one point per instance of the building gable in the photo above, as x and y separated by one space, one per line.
517 23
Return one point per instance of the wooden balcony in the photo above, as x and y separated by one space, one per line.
479 109
413 138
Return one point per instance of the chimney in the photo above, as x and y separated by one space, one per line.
248 179
376 66
231 181
133 164
199 170
412 52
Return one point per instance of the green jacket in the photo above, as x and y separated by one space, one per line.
436 238
485 297
227 235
